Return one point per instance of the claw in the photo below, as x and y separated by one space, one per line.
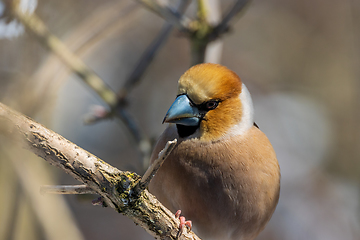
177 214
183 222
188 223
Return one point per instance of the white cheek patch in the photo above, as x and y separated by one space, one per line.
247 119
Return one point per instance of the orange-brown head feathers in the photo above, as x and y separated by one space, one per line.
217 103
209 81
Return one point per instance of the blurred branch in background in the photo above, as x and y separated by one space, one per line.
66 189
223 26
38 28
203 32
173 17
148 55
200 31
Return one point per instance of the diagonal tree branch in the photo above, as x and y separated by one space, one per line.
88 76
223 26
40 31
117 188
177 19
148 56
144 62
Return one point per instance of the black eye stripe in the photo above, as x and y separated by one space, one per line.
205 106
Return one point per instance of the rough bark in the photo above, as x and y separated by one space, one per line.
117 188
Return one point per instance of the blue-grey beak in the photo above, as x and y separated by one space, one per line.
183 112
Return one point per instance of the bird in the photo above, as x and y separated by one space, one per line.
223 174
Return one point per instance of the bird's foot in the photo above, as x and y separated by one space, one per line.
183 222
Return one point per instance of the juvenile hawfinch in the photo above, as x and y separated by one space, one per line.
223 174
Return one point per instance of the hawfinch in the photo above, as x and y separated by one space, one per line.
223 173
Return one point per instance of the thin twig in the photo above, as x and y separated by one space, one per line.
181 22
224 24
155 166
114 186
66 189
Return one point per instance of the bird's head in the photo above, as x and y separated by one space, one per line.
212 103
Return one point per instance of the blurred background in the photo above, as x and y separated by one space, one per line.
299 59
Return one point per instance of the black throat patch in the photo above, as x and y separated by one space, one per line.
185 131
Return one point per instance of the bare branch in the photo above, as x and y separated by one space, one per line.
178 20
233 11
114 186
67 189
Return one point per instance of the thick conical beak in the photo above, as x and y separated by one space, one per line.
183 112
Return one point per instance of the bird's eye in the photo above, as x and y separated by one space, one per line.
210 105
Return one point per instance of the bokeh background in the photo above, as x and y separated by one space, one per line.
299 59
